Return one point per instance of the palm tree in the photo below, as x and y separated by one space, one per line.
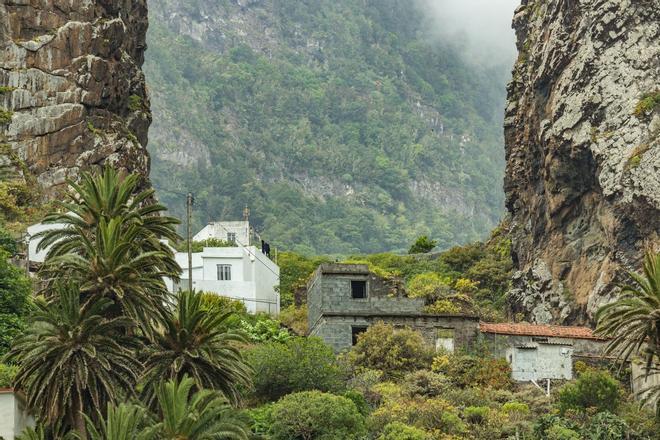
111 242
205 415
74 360
109 267
107 196
195 341
123 422
633 321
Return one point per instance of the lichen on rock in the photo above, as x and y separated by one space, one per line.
583 162
68 71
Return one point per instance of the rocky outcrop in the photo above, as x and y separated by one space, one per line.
583 156
72 92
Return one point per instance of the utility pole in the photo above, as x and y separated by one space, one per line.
189 203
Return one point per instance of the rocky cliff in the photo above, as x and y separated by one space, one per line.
72 94
583 158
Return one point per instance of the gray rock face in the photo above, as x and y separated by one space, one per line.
72 91
583 162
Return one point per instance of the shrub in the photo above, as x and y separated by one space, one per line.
261 419
299 364
468 370
422 245
265 329
425 383
605 426
312 415
295 318
394 352
594 389
400 431
429 285
428 414
7 374
475 414
360 402
552 427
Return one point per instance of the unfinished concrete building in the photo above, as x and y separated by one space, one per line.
343 300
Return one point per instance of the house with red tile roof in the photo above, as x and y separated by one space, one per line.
538 352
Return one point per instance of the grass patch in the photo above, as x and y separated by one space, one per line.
647 104
636 156
6 89
5 116
135 103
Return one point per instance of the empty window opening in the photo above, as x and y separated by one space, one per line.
444 340
224 272
356 331
358 289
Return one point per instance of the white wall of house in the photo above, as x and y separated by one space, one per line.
221 231
536 361
254 277
13 416
39 257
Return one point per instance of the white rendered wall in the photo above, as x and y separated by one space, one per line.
220 230
546 361
39 257
254 277
13 418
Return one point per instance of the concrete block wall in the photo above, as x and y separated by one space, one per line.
336 331
329 290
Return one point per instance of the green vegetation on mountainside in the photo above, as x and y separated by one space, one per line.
342 125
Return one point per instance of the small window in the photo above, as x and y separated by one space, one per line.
224 272
444 340
356 331
231 237
358 289
539 339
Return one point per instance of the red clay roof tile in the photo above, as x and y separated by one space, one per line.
555 331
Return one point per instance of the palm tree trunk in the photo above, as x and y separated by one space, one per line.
78 419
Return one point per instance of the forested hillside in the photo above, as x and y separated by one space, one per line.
344 125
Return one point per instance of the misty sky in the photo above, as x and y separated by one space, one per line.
484 24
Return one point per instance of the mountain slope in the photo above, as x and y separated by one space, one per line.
341 124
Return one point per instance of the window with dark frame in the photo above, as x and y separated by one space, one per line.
358 289
224 272
231 237
357 330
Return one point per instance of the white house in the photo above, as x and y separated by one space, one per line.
13 416
39 257
235 232
244 272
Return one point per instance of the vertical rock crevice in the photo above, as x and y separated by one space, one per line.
71 86
583 162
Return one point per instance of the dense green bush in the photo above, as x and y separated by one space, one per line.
470 370
7 373
425 383
606 426
422 245
553 427
15 302
313 415
393 351
400 431
593 390
299 364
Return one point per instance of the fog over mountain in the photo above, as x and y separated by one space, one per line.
481 27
